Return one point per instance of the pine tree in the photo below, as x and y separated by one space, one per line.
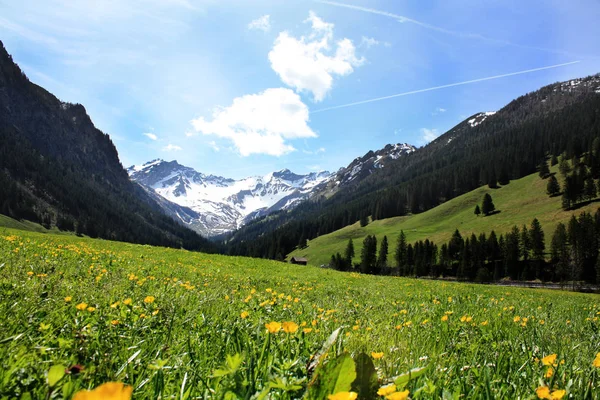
487 206
553 187
383 253
364 221
349 253
590 188
560 252
536 239
553 160
477 210
543 169
400 256
368 255
563 166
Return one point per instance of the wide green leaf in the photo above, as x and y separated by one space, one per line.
55 374
366 382
334 377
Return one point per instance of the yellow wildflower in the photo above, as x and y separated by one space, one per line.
81 306
309 330
29 273
115 304
244 314
558 394
596 362
149 299
549 373
549 360
398 395
445 318
91 309
68 299
376 355
106 391
542 392
127 301
385 390
273 327
115 322
290 327
343 396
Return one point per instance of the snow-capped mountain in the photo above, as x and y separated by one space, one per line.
361 167
213 205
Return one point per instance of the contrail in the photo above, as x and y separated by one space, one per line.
489 78
467 35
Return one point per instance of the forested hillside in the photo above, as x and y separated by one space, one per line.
56 168
506 145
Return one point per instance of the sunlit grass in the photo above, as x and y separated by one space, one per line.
177 324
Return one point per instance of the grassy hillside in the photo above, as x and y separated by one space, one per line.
8 222
176 324
519 202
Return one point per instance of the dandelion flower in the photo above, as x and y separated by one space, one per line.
549 360
557 394
68 299
376 355
81 306
106 391
549 373
385 390
149 299
309 330
244 314
445 318
114 322
127 301
290 327
115 304
273 327
91 309
596 362
542 392
398 395
343 396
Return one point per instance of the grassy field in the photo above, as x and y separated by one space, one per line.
176 324
518 202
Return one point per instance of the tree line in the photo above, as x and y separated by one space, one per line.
520 254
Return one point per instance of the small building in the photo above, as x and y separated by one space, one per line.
299 260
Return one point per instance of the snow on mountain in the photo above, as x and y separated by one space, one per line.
220 204
363 166
479 118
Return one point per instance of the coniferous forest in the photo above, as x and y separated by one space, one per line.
509 145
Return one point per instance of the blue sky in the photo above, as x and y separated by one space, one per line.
232 87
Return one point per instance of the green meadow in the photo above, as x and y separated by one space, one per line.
519 203
78 313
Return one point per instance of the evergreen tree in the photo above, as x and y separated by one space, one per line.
543 169
302 244
590 188
383 253
560 253
553 187
487 206
512 253
553 160
563 166
349 253
492 181
368 255
536 239
477 210
364 221
400 256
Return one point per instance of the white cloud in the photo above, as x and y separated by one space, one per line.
172 147
260 123
310 63
368 42
151 136
314 167
261 23
429 134
441 110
